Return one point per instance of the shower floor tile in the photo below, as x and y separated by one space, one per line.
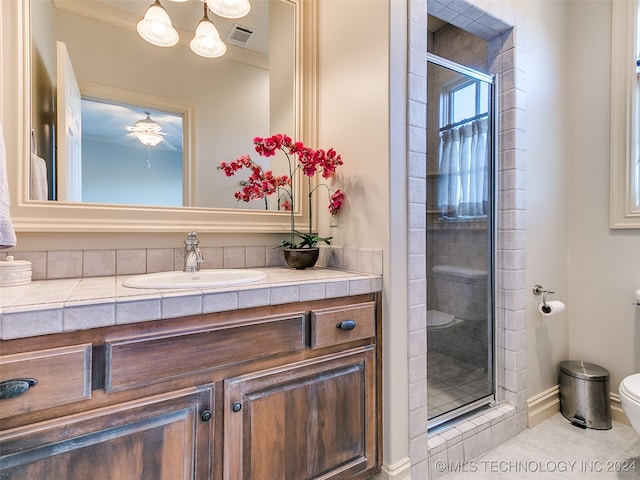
452 384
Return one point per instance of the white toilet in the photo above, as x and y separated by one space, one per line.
629 392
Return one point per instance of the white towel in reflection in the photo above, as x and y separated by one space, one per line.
39 186
7 233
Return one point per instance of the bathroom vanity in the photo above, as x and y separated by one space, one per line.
277 391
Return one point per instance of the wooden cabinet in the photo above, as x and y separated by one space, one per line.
57 376
289 392
315 419
165 437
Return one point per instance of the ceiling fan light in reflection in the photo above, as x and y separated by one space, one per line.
229 8
149 139
156 27
147 131
206 41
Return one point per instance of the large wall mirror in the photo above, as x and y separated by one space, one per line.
208 110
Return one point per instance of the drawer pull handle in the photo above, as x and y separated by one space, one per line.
347 325
13 388
206 416
236 407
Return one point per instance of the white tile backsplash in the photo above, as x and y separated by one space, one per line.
98 263
131 261
63 264
255 257
101 263
234 257
160 260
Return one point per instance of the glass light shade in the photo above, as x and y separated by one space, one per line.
229 8
156 27
147 125
149 139
206 41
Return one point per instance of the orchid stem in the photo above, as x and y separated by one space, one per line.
310 209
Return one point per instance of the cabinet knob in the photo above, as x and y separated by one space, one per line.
236 407
13 388
206 416
347 325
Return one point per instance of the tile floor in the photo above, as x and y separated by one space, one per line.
556 450
452 383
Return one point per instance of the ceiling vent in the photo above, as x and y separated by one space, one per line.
239 35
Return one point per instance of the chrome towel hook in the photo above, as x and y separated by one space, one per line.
540 290
34 144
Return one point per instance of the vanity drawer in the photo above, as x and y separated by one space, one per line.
63 376
333 326
140 360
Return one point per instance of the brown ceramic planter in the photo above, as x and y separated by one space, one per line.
301 258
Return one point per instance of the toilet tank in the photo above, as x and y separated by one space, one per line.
461 291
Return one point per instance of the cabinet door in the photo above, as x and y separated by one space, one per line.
167 436
312 419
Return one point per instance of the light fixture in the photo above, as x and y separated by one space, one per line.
229 8
206 41
147 131
156 27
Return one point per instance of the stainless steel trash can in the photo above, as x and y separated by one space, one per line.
584 394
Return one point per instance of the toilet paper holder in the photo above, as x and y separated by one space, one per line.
540 290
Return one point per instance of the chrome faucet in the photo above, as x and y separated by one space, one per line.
192 253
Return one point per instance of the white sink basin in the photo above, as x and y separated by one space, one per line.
202 279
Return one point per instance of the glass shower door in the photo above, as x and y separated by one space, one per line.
460 240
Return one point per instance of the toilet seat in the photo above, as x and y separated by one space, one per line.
437 319
630 386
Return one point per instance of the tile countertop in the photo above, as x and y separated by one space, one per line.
55 306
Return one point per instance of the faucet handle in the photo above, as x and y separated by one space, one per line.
192 239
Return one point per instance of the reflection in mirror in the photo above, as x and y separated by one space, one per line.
130 155
248 92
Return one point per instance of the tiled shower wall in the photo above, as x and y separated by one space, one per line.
474 436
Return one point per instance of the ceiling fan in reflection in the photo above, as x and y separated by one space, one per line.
149 132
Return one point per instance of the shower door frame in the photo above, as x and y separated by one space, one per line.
488 400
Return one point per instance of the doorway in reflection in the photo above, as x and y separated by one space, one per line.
131 155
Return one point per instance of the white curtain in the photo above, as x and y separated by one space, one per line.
463 176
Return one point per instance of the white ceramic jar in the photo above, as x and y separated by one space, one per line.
14 272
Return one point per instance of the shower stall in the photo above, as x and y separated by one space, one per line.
460 239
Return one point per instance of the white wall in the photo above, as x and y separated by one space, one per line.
354 114
604 264
544 28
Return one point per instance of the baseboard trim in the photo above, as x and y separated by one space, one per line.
617 413
547 403
542 406
398 471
